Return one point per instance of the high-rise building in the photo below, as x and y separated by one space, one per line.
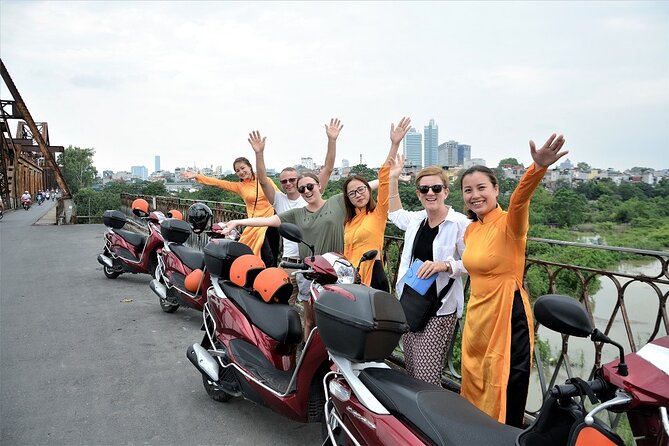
157 164
464 153
413 145
345 163
473 162
140 172
430 154
307 162
448 154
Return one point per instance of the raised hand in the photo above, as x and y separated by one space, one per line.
397 133
549 152
334 128
396 166
188 174
257 143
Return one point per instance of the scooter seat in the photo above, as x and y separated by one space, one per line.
443 417
191 257
135 239
279 321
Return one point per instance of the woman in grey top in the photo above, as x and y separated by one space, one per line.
321 221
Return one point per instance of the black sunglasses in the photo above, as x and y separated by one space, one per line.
436 188
288 180
309 186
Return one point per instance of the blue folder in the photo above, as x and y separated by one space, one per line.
411 279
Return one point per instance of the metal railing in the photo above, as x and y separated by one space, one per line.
623 282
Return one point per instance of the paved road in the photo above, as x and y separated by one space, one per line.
79 366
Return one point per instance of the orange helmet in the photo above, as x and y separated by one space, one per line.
245 269
193 280
173 213
140 207
273 285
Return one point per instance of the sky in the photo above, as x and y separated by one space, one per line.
189 80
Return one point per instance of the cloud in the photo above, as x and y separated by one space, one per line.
189 80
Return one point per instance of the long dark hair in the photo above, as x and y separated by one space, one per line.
246 161
484 170
350 207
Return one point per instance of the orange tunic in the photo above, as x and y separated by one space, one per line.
366 230
495 258
253 237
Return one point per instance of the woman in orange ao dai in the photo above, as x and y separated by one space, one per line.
256 206
499 331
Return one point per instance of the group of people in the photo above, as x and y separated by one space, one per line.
487 243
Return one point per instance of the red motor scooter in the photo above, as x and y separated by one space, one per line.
370 404
250 346
181 276
127 251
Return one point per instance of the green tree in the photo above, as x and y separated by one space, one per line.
209 193
568 208
364 171
583 167
154 188
540 207
77 167
512 161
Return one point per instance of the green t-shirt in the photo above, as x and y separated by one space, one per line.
324 228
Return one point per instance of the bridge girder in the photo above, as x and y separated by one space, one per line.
21 158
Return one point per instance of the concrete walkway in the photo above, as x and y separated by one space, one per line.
85 360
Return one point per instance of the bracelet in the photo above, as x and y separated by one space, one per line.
393 196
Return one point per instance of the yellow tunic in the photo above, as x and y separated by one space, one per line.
366 230
495 258
252 237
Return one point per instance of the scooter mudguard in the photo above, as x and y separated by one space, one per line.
595 435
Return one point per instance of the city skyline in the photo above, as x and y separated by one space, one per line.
190 80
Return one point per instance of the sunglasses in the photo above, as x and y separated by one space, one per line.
309 186
436 188
357 191
288 180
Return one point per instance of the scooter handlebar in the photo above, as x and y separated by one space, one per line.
598 386
291 265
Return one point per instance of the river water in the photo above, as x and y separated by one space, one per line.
642 306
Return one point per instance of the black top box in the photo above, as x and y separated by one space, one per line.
175 230
113 219
219 255
358 322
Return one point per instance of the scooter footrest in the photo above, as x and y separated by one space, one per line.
127 255
250 358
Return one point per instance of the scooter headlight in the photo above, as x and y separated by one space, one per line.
345 272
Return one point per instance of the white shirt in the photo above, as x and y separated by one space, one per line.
282 204
448 246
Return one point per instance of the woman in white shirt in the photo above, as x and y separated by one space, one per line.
434 235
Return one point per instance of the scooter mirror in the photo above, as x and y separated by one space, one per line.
369 255
563 314
291 232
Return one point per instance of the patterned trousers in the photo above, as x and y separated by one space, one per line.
424 351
